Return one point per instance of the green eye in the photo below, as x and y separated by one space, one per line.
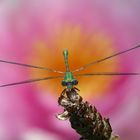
74 82
64 83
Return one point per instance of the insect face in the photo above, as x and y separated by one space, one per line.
69 84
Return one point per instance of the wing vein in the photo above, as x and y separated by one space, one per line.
106 58
31 66
107 74
30 81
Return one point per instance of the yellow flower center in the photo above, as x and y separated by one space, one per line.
84 47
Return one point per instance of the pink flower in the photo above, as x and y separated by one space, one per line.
36 32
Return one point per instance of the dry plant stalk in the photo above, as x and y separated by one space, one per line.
84 118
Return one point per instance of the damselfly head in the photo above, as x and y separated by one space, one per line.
69 84
73 82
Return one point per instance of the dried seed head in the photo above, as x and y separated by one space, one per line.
84 118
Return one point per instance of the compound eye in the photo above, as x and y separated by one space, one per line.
74 82
64 83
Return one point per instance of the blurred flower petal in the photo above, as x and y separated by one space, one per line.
37 31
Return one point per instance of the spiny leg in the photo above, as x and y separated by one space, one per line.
76 89
63 92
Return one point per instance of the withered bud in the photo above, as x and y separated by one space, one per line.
84 118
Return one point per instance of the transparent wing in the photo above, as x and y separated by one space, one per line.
106 58
30 81
107 74
30 66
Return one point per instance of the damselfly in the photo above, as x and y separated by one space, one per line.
69 81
